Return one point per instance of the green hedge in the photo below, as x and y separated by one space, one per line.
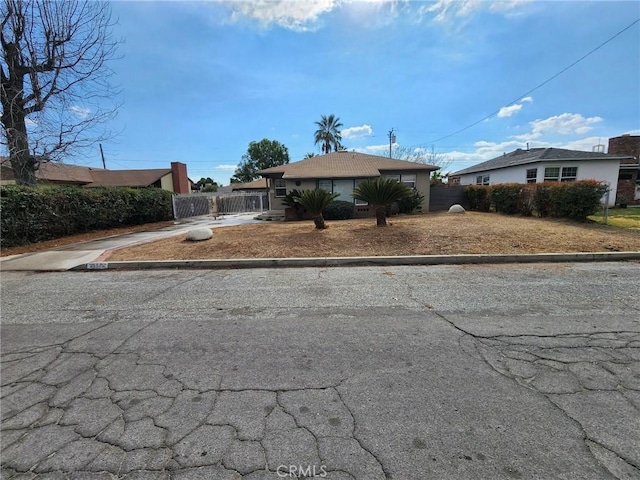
43 213
479 198
573 200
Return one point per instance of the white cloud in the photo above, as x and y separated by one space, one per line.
375 149
284 13
445 10
565 124
357 132
510 110
515 108
226 167
80 112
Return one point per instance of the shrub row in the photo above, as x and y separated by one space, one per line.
573 200
44 213
338 210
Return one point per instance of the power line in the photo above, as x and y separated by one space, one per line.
534 88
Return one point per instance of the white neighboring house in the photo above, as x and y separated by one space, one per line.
544 165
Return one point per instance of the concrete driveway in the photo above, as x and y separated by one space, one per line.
441 372
70 256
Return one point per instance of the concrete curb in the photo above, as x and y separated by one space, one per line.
361 261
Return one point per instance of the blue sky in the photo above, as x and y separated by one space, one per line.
200 80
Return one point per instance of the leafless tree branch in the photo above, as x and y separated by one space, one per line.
56 88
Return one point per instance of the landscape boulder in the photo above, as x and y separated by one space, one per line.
199 234
457 209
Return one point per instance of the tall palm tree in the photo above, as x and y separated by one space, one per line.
315 201
328 133
381 193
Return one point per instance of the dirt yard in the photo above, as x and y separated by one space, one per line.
430 234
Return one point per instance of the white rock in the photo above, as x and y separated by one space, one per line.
198 234
457 209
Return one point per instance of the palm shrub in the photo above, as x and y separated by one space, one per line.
292 200
315 201
381 193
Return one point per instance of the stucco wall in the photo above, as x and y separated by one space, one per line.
166 182
603 171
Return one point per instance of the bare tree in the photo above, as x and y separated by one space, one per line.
420 155
55 79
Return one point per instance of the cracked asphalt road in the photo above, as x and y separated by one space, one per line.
448 372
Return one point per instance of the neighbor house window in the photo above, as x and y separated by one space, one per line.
485 180
551 174
409 180
569 174
532 175
281 187
479 180
359 203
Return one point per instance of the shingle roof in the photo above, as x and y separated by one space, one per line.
127 178
89 176
258 184
344 164
53 172
523 157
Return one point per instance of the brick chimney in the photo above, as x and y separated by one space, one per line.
627 191
180 179
625 145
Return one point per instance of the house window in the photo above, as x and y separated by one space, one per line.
394 177
359 203
409 180
281 187
325 185
479 180
551 174
532 175
485 180
569 174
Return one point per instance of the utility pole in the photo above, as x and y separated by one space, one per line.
392 140
104 165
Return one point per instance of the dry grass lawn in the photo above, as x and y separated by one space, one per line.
429 234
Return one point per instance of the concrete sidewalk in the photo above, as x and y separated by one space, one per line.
70 256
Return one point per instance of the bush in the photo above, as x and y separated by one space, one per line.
511 198
479 197
338 210
44 213
573 200
409 203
